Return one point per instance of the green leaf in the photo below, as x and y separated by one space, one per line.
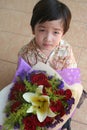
28 86
16 117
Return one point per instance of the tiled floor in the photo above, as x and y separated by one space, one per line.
15 31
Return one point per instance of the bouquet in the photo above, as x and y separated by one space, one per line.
37 101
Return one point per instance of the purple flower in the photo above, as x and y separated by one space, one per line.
61 85
16 126
71 101
50 77
58 119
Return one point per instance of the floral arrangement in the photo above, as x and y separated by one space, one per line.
37 101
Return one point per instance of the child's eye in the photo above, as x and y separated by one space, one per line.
56 32
42 30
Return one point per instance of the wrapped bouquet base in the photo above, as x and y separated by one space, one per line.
43 90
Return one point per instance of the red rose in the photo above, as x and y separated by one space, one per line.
47 121
45 83
15 90
13 95
68 94
30 122
15 106
60 92
57 107
19 87
38 77
62 112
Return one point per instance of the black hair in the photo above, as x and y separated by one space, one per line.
48 10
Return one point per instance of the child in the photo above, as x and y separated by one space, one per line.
50 21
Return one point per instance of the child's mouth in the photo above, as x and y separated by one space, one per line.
47 45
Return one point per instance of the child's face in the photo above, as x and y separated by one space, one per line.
48 34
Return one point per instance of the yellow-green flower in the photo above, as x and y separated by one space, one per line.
40 104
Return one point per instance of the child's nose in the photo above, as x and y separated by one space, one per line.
48 37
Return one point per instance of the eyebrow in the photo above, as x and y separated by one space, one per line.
41 26
58 29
